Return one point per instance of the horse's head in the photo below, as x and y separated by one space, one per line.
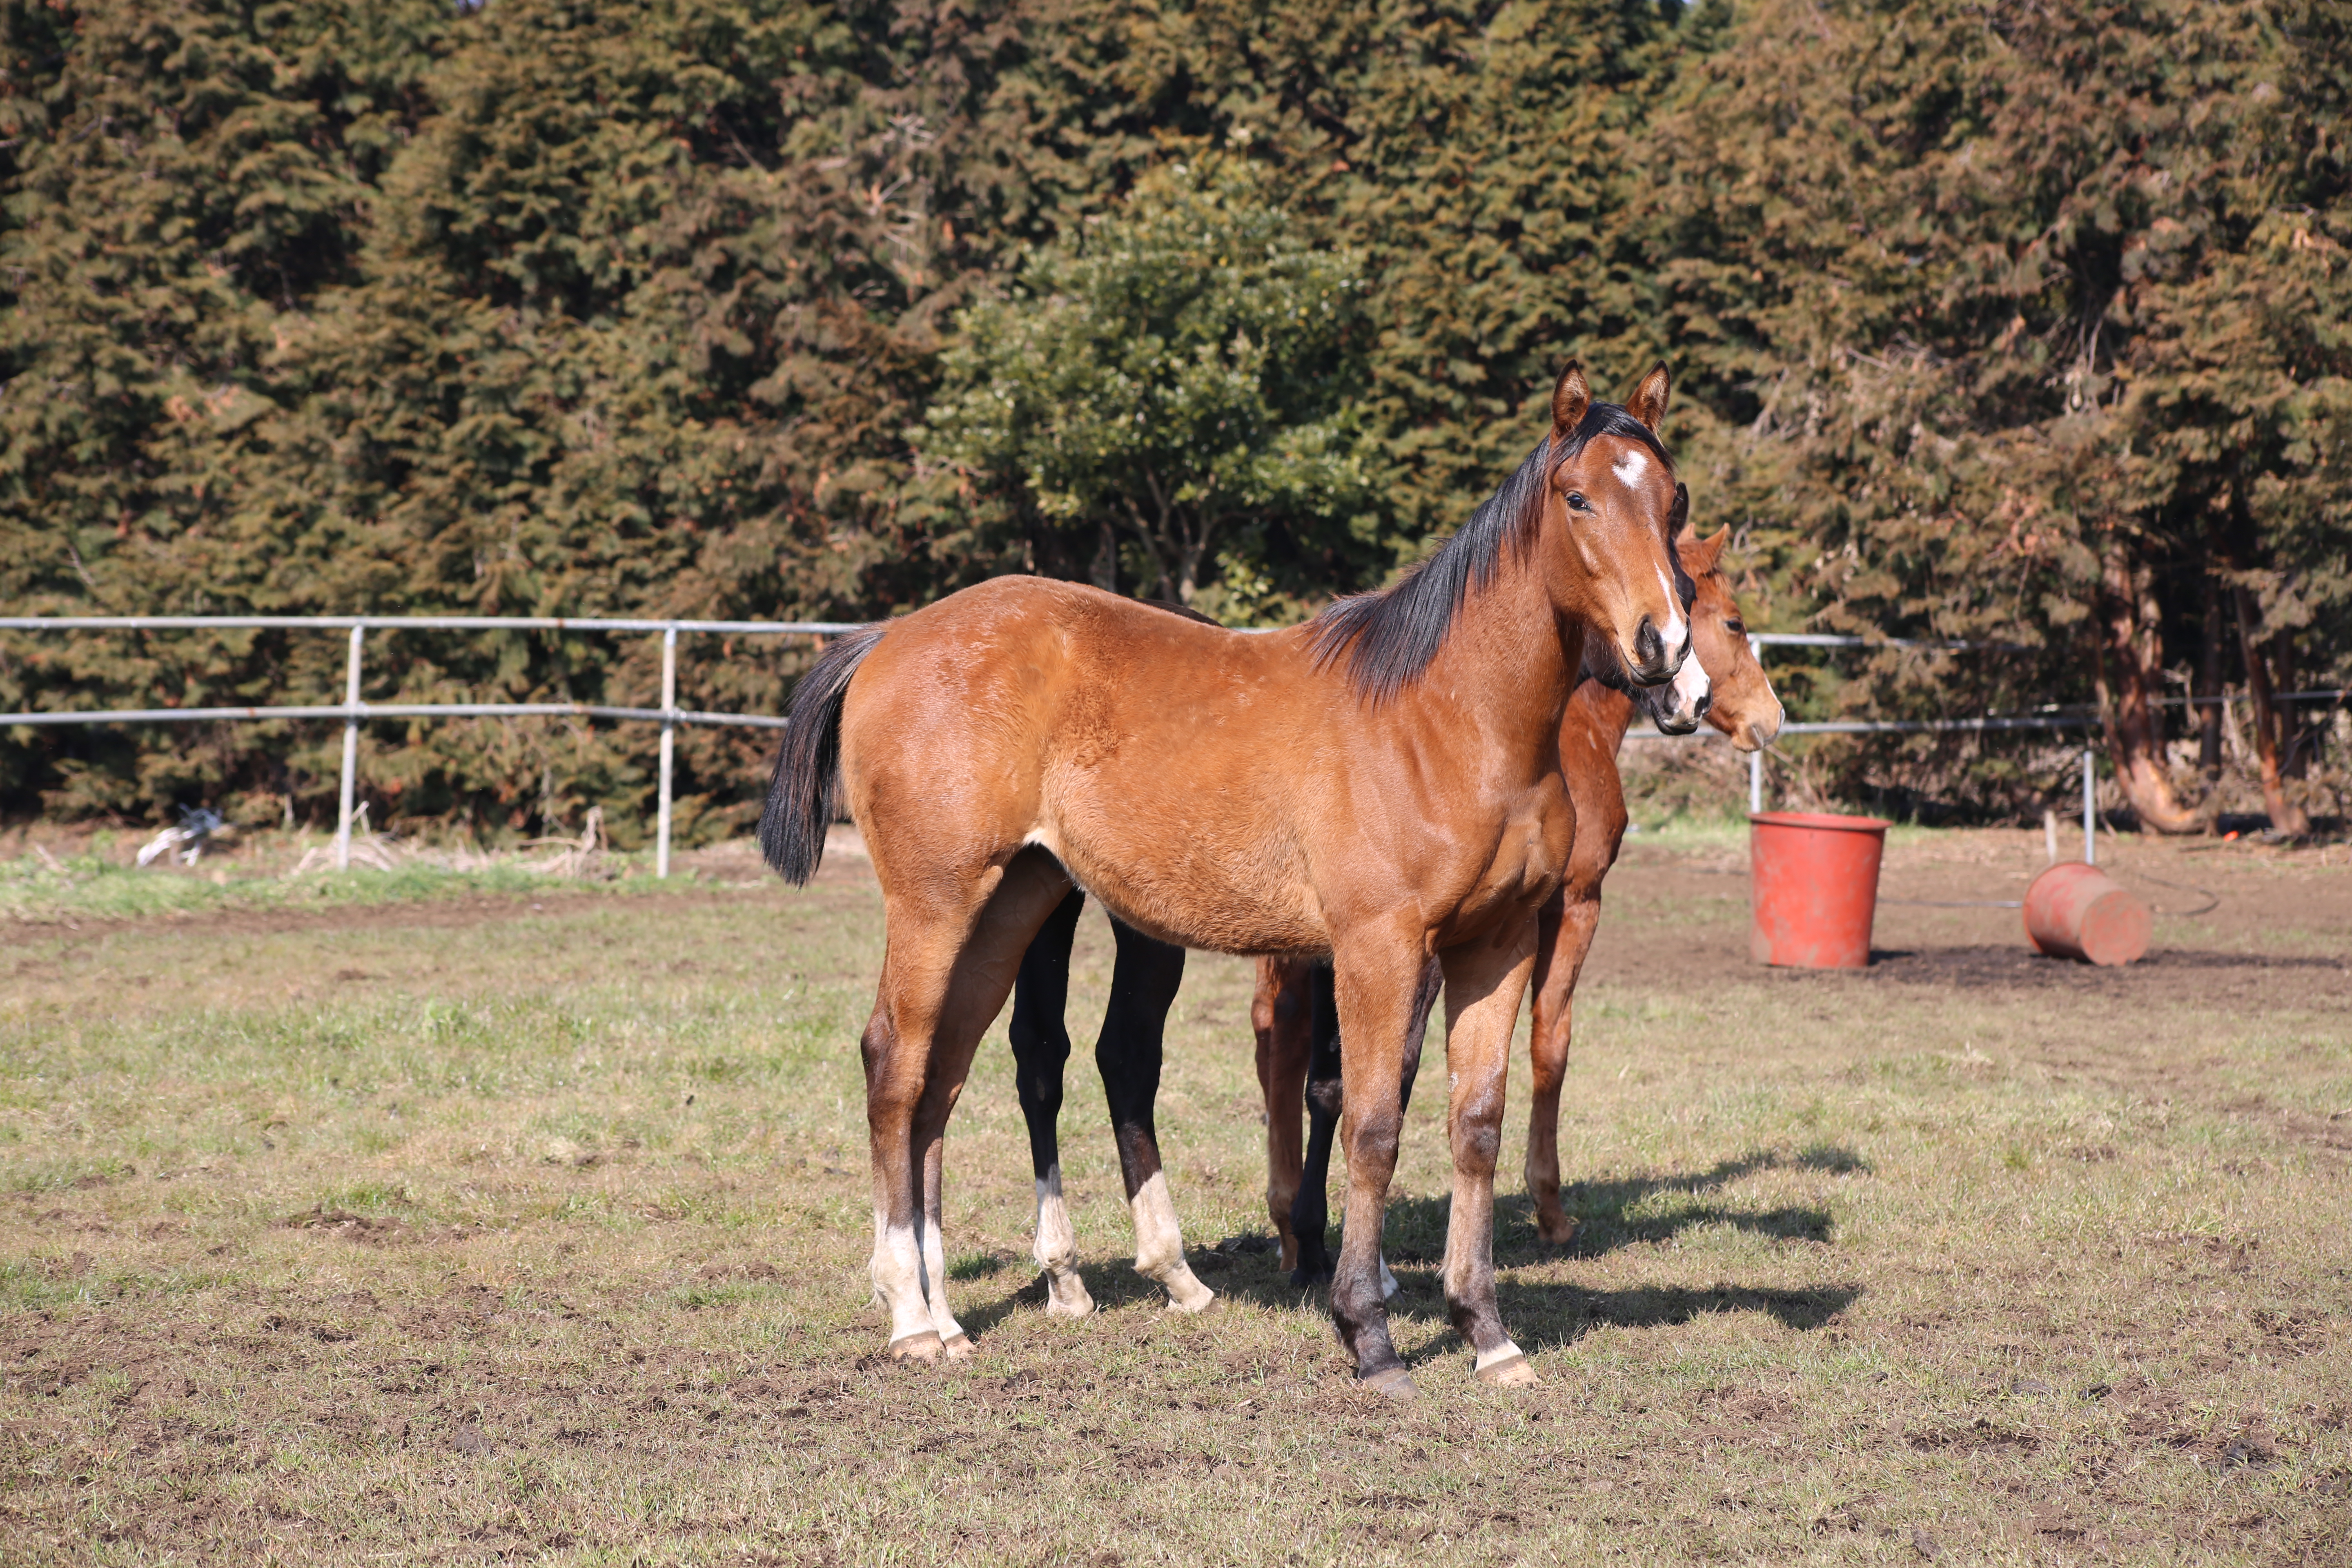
1742 704
1609 516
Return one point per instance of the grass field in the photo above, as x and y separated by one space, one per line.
474 1219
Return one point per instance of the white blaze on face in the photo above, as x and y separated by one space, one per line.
1690 687
1632 466
1676 629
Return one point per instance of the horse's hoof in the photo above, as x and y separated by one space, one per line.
1392 1381
1306 1275
1185 1292
1068 1298
922 1345
1511 1372
956 1346
1556 1232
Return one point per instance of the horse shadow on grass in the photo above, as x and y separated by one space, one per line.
1628 1211
1610 1214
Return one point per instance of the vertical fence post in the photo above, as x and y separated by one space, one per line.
351 751
669 728
2090 810
1756 758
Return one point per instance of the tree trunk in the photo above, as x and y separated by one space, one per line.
1189 557
2286 816
1106 568
1157 538
2126 703
2295 751
2209 675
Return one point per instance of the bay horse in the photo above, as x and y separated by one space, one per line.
1129 1053
1298 1035
1381 784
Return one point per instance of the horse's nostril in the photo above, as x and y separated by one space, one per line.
1705 701
1648 645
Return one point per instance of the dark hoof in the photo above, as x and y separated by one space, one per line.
1392 1381
1306 1275
1556 1232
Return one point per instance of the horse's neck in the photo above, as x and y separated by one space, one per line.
1610 712
1510 663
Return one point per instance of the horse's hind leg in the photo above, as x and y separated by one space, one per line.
1142 988
1311 1210
944 980
1565 936
1278 1016
1040 1045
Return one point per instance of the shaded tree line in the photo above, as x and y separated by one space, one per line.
2017 324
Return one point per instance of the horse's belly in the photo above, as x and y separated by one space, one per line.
1194 877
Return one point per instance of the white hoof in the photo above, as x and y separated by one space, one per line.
1066 1296
1185 1291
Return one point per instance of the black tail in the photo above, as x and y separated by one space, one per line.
801 798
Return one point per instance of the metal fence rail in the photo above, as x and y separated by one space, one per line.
353 711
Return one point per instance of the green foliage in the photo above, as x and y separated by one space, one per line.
1176 374
2040 299
767 308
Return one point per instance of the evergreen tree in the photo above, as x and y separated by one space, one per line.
2024 324
1174 377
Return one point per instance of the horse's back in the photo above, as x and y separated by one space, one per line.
1155 755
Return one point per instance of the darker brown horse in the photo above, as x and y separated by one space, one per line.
1382 785
1297 1044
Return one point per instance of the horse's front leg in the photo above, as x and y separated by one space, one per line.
1485 980
1041 1047
1563 938
1143 985
1381 1005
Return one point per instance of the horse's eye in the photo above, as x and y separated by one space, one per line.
1736 626
1576 499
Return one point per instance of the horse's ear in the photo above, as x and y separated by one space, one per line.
1648 403
1571 394
1708 552
1678 514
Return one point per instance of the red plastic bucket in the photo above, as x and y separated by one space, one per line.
1815 886
2078 911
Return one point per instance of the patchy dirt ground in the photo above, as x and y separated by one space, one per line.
520 1227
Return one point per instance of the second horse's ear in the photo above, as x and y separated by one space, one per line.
1708 552
1648 403
1571 394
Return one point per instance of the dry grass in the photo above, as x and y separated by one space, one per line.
463 1229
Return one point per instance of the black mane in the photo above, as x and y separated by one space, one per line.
1389 638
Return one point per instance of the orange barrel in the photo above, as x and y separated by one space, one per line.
2078 911
1815 886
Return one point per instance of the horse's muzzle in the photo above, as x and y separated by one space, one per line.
1654 663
